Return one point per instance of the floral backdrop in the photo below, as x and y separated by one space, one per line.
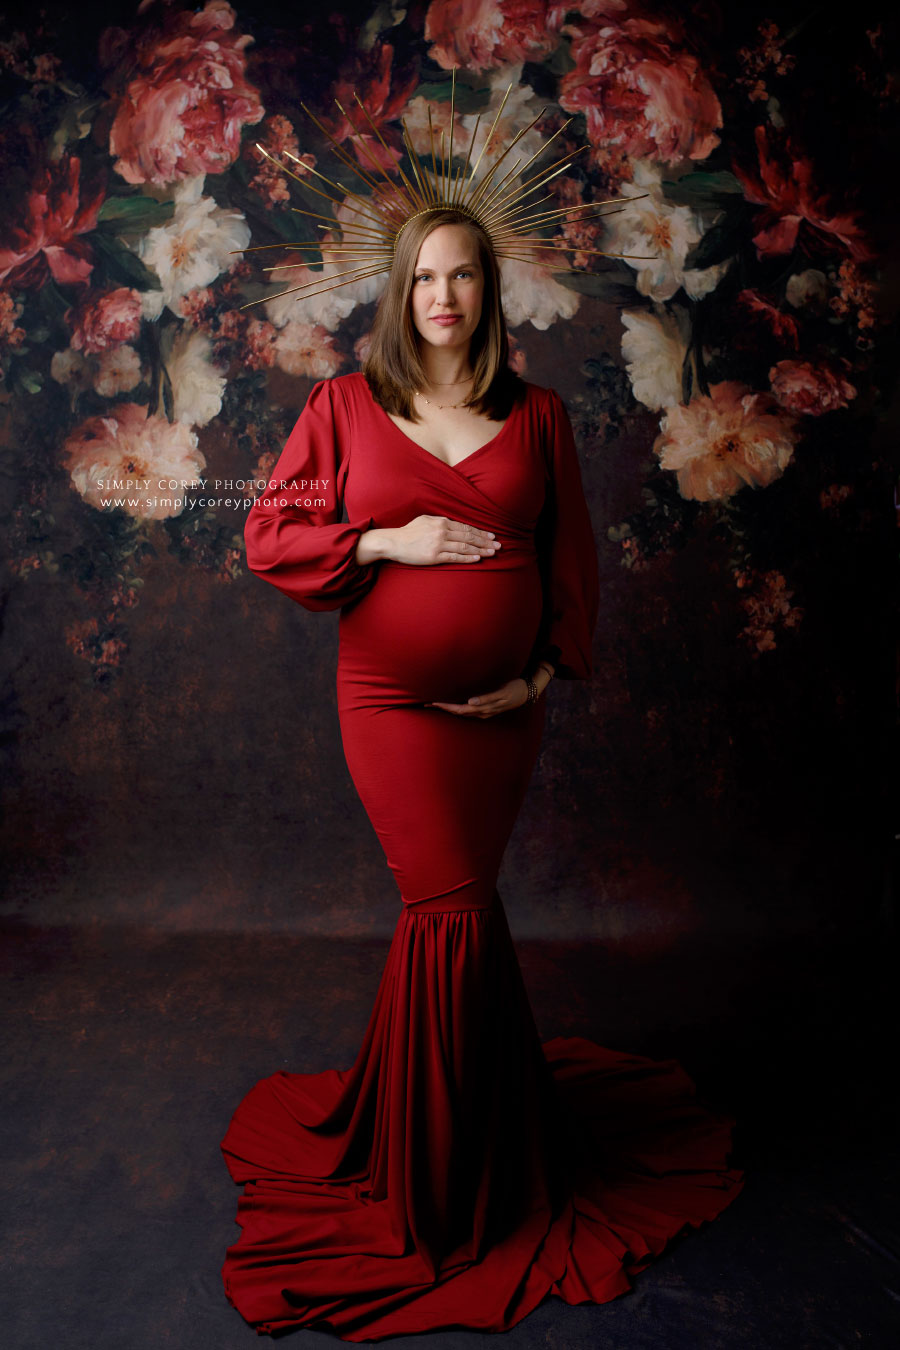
729 384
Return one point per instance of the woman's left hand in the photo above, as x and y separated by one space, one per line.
510 695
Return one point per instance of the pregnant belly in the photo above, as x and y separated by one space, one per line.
442 632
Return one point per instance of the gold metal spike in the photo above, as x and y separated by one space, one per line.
502 199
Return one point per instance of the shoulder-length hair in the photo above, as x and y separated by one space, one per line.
393 367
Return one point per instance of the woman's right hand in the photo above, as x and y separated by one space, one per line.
426 540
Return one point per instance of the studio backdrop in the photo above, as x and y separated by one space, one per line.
172 752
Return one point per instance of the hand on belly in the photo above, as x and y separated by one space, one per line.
510 695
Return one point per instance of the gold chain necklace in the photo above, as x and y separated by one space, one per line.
432 404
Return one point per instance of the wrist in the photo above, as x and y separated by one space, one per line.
373 546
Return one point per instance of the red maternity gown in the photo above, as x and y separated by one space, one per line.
459 1172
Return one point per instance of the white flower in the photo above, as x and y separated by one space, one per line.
118 370
415 119
197 386
530 292
521 108
191 250
806 288
71 368
185 191
307 349
654 351
660 236
330 308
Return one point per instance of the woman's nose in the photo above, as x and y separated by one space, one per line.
445 291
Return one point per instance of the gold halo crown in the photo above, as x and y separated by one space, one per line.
504 206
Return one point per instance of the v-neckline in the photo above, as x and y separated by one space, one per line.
437 459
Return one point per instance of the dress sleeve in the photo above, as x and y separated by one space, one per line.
303 549
567 554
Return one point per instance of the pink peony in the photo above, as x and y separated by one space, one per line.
105 320
181 114
783 186
722 442
804 388
640 92
42 219
483 34
148 453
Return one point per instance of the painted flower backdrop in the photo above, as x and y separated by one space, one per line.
745 349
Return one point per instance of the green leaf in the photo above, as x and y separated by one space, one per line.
467 100
719 242
123 265
52 300
31 381
561 61
598 286
77 116
134 215
703 189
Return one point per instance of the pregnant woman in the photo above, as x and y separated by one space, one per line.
458 1172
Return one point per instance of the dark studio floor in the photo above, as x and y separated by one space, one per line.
128 1051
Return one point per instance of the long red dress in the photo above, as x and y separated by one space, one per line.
459 1172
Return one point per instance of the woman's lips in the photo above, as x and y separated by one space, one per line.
446 320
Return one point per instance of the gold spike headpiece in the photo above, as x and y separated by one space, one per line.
504 205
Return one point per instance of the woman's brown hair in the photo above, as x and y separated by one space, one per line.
393 367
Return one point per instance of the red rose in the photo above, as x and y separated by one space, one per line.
43 221
384 94
767 319
783 186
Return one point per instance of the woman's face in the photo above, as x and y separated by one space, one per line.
447 288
